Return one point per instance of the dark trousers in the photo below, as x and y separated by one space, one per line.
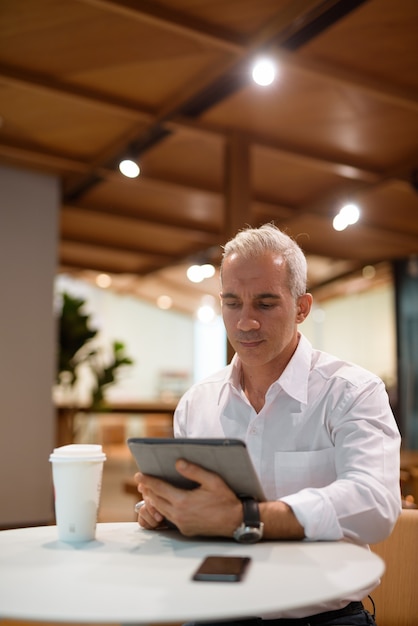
352 615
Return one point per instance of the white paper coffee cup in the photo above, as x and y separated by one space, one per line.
77 476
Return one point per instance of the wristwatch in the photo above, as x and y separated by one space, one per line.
251 529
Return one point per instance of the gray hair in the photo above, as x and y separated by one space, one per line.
254 242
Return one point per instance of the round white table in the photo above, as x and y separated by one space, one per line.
133 576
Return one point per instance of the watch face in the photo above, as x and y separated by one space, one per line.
250 537
248 534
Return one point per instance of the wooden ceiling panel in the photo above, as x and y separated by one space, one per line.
57 124
131 234
289 180
90 47
168 82
324 270
151 82
70 37
194 160
263 212
239 16
152 200
311 115
393 206
63 37
78 255
359 242
379 40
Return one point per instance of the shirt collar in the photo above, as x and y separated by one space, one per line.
294 379
232 377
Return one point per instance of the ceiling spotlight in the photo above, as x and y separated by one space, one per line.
368 272
350 213
103 280
164 302
208 270
347 216
339 223
129 168
206 314
194 274
197 273
264 72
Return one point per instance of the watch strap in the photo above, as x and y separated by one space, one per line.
251 512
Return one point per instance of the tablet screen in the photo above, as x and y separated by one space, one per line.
227 457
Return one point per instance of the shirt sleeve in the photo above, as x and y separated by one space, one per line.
364 502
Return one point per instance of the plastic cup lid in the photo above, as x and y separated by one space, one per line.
78 452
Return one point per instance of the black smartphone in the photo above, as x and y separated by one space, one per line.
218 568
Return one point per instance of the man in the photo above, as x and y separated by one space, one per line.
320 431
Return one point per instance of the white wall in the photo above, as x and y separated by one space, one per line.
156 340
360 328
29 205
209 348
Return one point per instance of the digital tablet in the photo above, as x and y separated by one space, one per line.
227 457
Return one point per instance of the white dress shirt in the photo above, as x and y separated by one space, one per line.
325 442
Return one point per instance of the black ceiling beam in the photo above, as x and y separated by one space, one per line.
148 139
225 86
135 149
321 23
230 83
83 187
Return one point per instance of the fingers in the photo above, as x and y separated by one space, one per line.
208 480
211 508
196 473
148 516
138 478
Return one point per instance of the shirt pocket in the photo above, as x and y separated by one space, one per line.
294 471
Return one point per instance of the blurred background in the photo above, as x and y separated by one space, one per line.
136 138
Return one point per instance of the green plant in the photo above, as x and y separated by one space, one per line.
76 347
106 374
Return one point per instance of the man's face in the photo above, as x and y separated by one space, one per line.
259 312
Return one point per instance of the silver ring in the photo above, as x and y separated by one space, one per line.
139 506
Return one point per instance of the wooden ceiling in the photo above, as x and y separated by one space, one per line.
85 82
